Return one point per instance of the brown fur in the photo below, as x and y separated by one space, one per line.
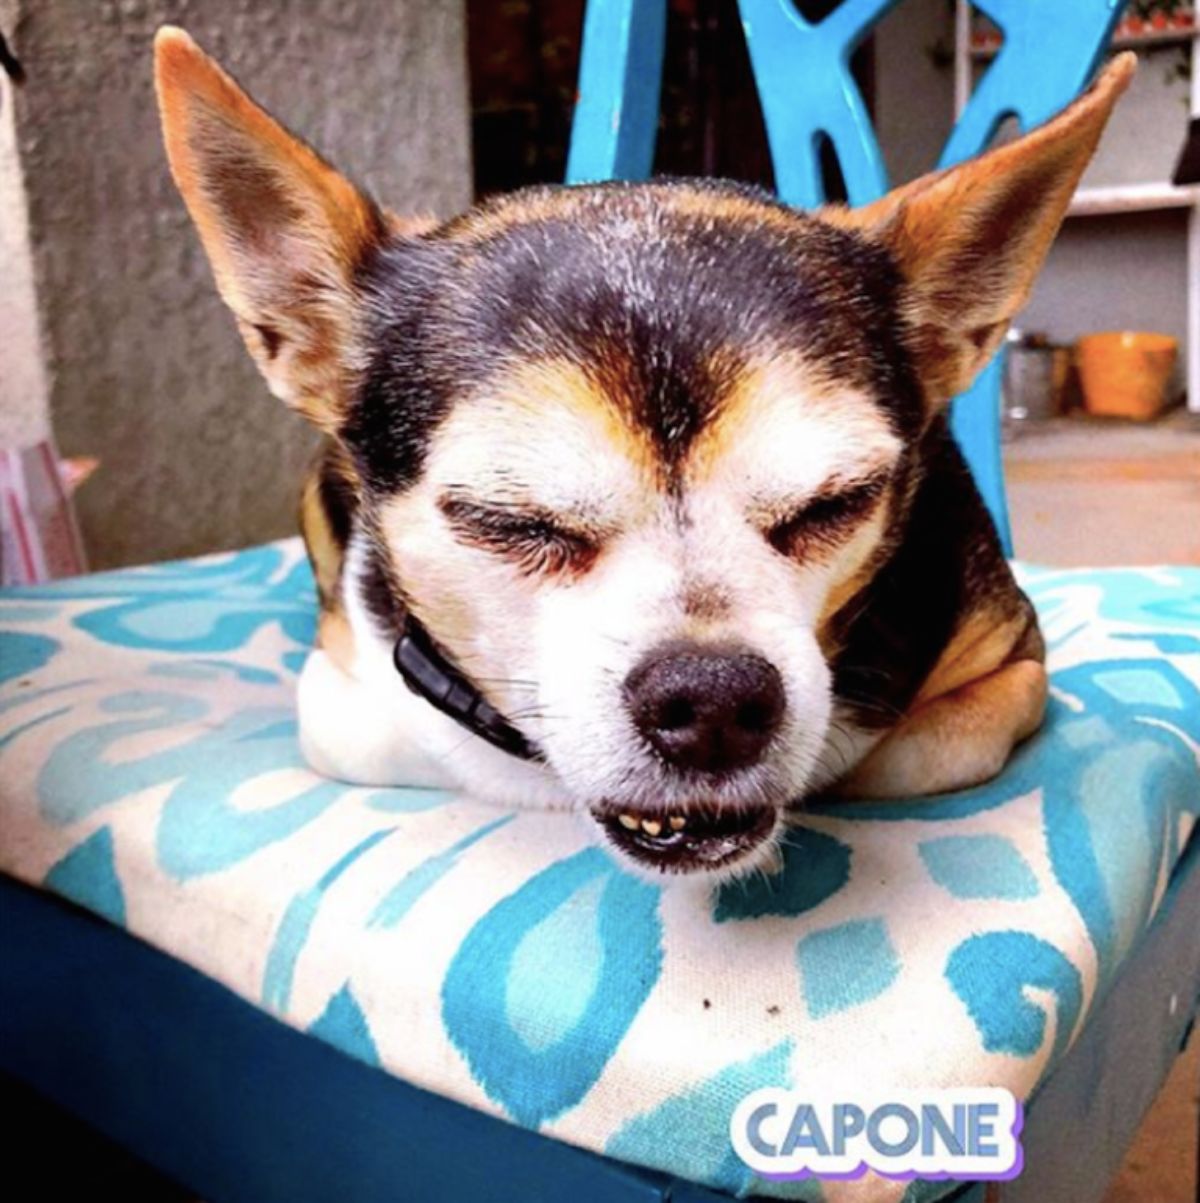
957 739
951 258
285 263
990 220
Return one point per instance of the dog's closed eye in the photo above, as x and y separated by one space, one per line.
826 518
535 540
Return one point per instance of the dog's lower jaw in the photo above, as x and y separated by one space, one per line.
688 841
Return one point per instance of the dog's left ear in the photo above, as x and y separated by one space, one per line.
283 231
970 240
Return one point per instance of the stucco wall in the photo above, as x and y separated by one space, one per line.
24 390
147 371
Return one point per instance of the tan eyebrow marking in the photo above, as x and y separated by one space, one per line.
779 385
561 385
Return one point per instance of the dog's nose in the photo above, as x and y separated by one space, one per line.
710 709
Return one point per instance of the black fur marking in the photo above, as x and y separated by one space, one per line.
947 562
660 306
405 391
379 592
272 340
338 499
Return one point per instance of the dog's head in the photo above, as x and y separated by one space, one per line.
626 450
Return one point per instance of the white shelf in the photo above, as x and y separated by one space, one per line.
1123 198
1132 198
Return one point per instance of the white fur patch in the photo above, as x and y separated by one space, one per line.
553 651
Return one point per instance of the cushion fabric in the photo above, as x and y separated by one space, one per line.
149 771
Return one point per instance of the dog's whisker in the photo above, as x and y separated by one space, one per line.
837 731
871 705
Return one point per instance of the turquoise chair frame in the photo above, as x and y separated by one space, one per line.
802 71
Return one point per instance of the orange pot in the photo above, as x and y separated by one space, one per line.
1124 374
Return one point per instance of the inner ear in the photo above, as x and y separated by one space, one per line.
285 233
249 194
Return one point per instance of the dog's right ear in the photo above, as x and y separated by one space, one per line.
969 240
283 231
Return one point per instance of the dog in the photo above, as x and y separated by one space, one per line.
640 500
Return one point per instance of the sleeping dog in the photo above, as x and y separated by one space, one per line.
639 499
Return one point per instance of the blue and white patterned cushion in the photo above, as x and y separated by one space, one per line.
149 771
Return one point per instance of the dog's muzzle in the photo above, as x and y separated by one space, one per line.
730 707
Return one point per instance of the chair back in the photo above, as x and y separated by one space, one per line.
808 95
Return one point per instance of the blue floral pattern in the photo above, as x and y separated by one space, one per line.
149 771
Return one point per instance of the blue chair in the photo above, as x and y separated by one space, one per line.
106 828
808 94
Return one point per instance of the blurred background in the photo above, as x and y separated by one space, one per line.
113 340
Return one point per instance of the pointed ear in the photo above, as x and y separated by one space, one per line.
970 240
283 231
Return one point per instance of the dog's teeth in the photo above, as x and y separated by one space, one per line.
678 822
628 822
651 826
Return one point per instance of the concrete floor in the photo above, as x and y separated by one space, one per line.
1160 1167
1085 491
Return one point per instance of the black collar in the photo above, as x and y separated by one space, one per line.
432 675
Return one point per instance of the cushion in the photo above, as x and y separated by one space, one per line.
149 771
